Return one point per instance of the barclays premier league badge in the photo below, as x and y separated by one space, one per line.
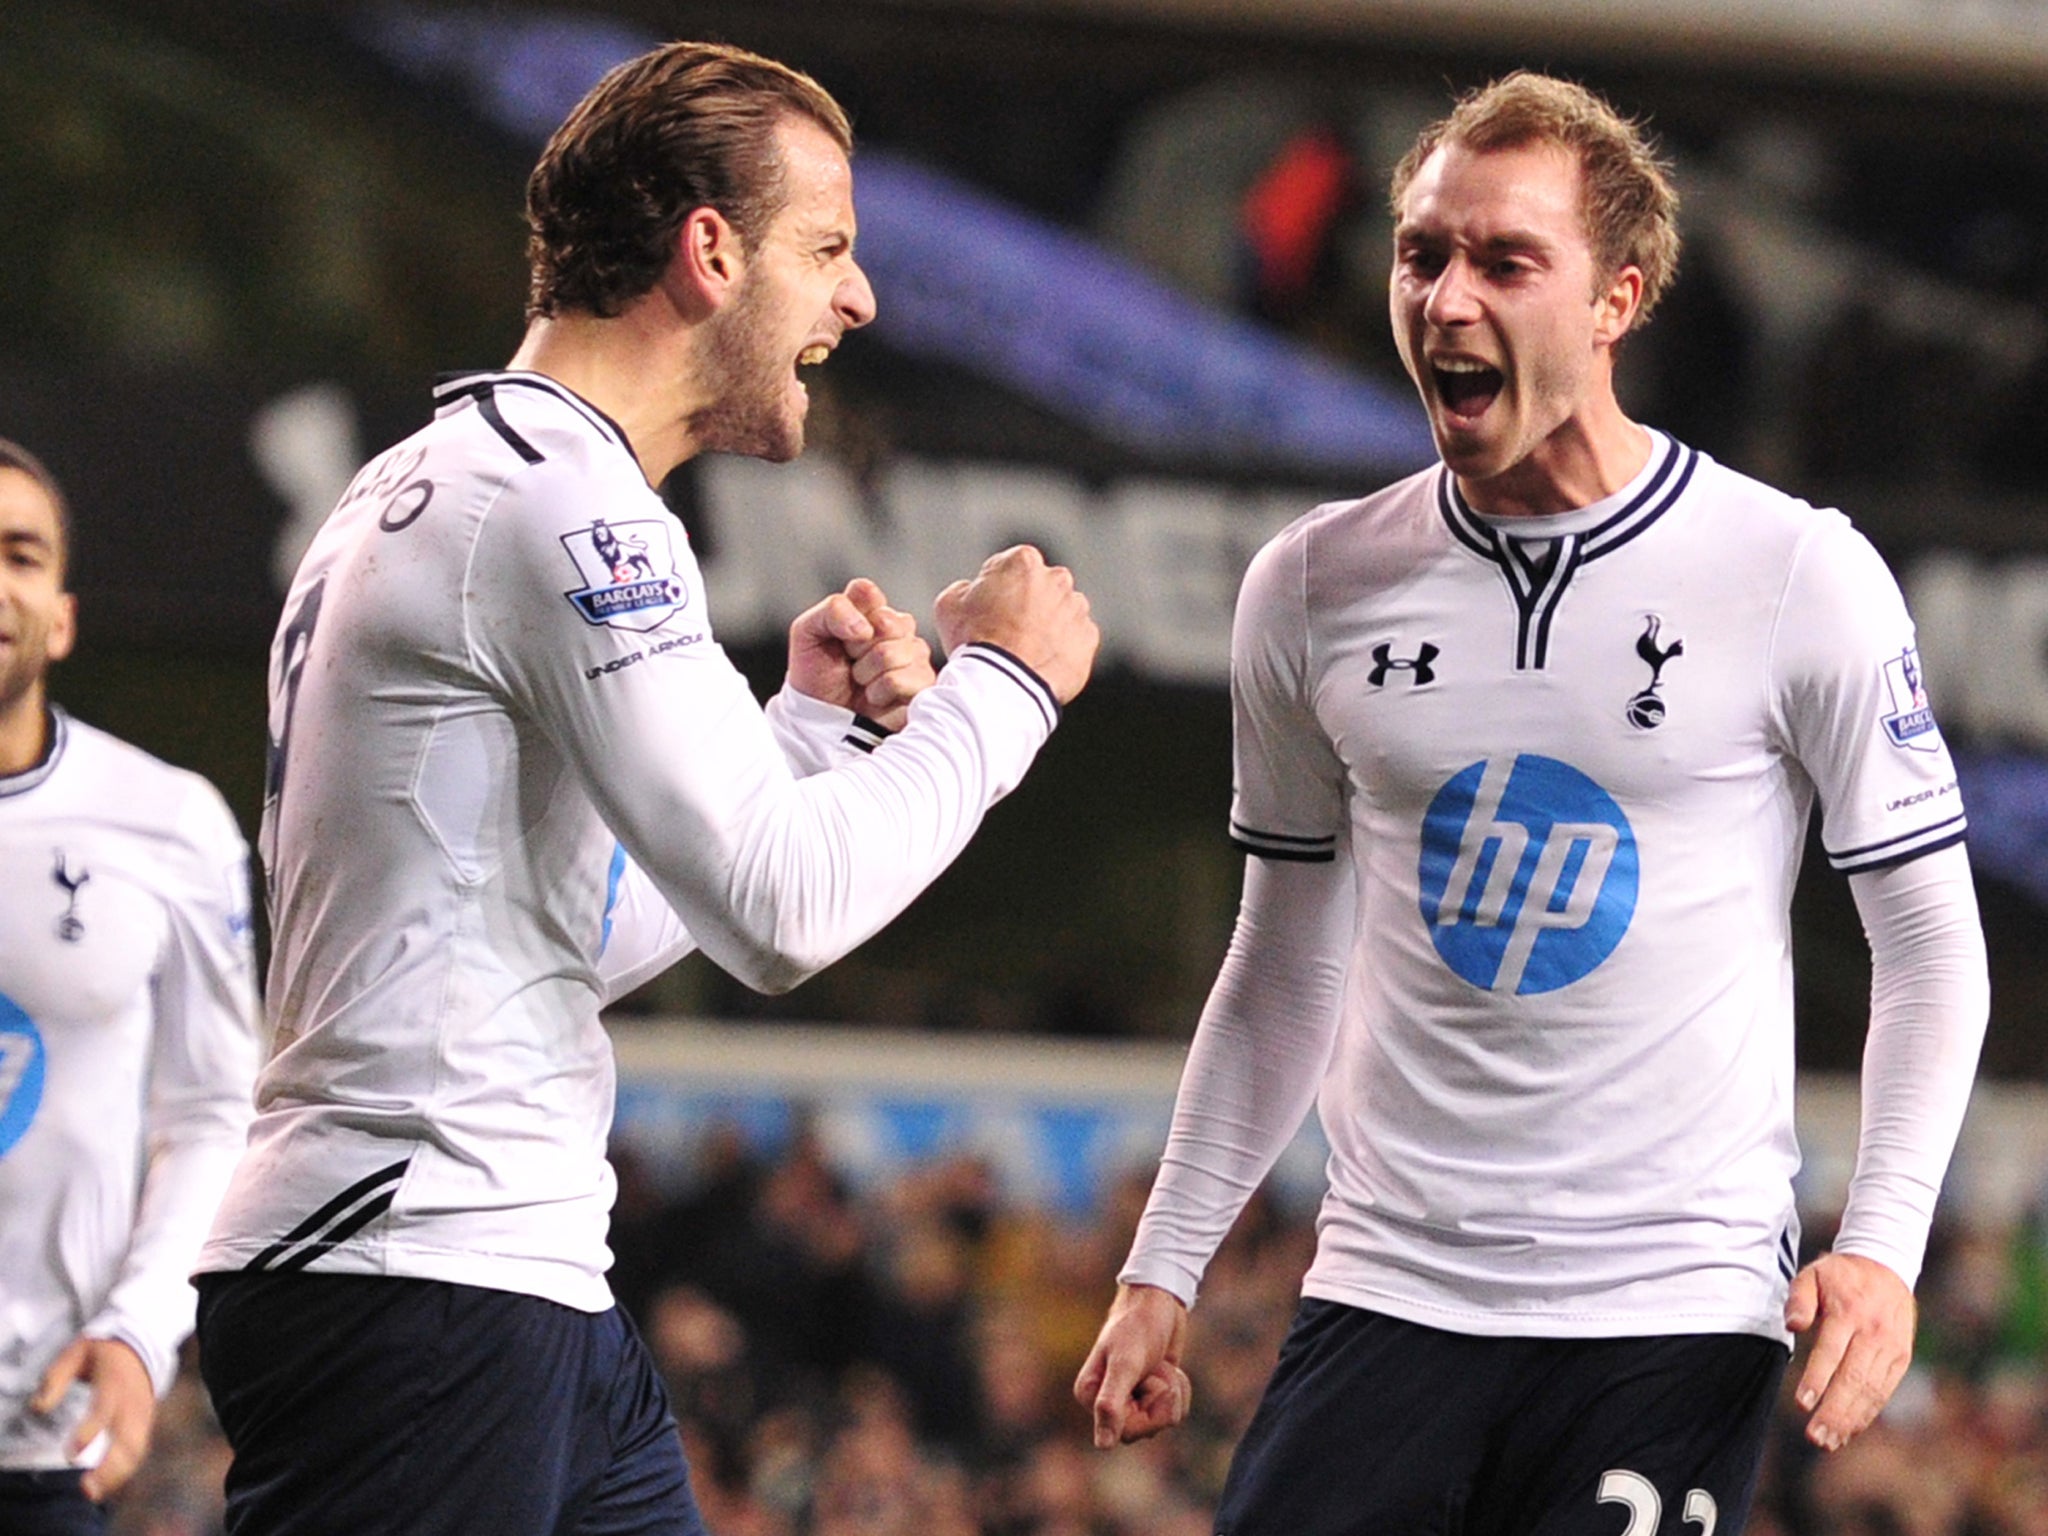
1911 722
629 571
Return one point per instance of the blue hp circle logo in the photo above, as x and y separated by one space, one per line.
21 1072
1528 874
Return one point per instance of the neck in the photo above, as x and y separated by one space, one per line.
1592 454
24 732
640 368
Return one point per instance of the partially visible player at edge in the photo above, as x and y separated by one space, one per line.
1525 750
127 1050
513 775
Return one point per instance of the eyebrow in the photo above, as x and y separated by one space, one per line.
28 536
1506 240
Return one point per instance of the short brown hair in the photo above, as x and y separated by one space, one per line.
686 126
1630 205
14 456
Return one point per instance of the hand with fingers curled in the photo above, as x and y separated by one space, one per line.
123 1407
1861 1316
1028 608
852 649
1132 1382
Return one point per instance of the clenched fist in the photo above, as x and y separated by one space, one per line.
1030 609
854 650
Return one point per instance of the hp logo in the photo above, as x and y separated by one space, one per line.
21 1072
1528 874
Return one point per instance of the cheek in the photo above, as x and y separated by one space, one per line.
63 629
1404 315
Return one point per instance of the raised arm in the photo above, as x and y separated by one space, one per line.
773 875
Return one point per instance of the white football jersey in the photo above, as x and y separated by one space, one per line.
127 1052
505 746
1572 760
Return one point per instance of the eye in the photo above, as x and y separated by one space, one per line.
1423 263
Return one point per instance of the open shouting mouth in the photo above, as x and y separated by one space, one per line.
1465 385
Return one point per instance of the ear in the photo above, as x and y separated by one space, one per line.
63 628
708 262
1614 310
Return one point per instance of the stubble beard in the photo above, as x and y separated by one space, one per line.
750 414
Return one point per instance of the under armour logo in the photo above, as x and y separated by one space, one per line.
1646 710
69 927
1417 666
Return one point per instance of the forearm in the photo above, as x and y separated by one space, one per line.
643 934
776 876
203 1056
1257 1060
150 1306
1929 999
815 736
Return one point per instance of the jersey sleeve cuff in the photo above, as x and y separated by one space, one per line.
1176 1280
161 1362
815 735
1894 1258
1888 1229
1018 672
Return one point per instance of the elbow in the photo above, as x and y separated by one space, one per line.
775 963
777 975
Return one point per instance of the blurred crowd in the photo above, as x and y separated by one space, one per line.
897 1361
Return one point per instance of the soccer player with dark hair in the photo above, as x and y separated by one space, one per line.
127 1050
1526 748
513 774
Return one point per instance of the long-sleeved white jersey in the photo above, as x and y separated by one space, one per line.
511 774
127 1054
1529 796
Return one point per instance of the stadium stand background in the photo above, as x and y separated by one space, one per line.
1144 323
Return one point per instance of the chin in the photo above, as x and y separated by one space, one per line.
775 440
1468 459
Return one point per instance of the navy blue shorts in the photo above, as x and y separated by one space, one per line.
1372 1426
359 1405
48 1504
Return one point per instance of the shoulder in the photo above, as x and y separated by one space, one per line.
1341 550
1754 517
529 419
559 466
125 791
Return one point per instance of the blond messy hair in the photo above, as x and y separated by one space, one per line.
1627 199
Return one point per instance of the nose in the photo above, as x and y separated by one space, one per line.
854 300
1452 299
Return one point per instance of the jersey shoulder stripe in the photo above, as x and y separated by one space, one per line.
487 406
453 389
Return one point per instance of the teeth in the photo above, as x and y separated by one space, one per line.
814 354
1461 365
